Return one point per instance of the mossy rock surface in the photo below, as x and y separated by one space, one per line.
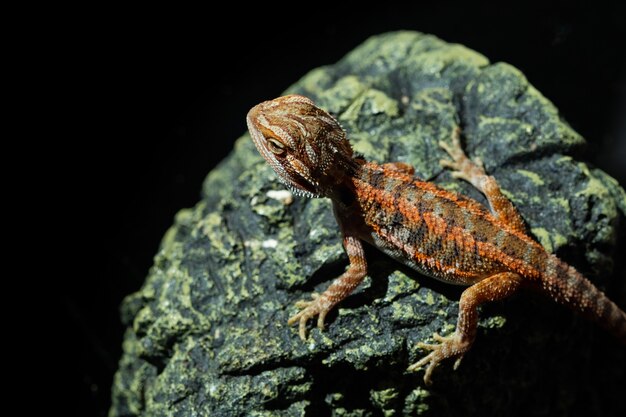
207 333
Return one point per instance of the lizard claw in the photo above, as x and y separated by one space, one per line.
448 347
309 309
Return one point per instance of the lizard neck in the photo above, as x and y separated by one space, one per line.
337 181
340 180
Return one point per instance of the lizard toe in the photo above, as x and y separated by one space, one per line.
301 318
447 347
309 309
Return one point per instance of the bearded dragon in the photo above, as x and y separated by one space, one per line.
437 232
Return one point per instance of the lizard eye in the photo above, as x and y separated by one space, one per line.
275 146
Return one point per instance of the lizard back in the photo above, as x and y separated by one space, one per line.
437 232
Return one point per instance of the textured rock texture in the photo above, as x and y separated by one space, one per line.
207 333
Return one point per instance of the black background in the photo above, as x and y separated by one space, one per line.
161 95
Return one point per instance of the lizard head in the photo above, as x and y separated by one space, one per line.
306 146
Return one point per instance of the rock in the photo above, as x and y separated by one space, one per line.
207 334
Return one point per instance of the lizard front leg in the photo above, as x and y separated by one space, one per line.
338 290
473 172
495 287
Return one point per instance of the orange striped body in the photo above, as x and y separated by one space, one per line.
439 233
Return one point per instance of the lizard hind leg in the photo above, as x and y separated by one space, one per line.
473 172
493 288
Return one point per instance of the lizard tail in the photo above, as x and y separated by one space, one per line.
569 287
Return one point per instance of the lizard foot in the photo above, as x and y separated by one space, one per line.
317 306
448 347
462 167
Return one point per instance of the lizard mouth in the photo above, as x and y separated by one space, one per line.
298 189
298 179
